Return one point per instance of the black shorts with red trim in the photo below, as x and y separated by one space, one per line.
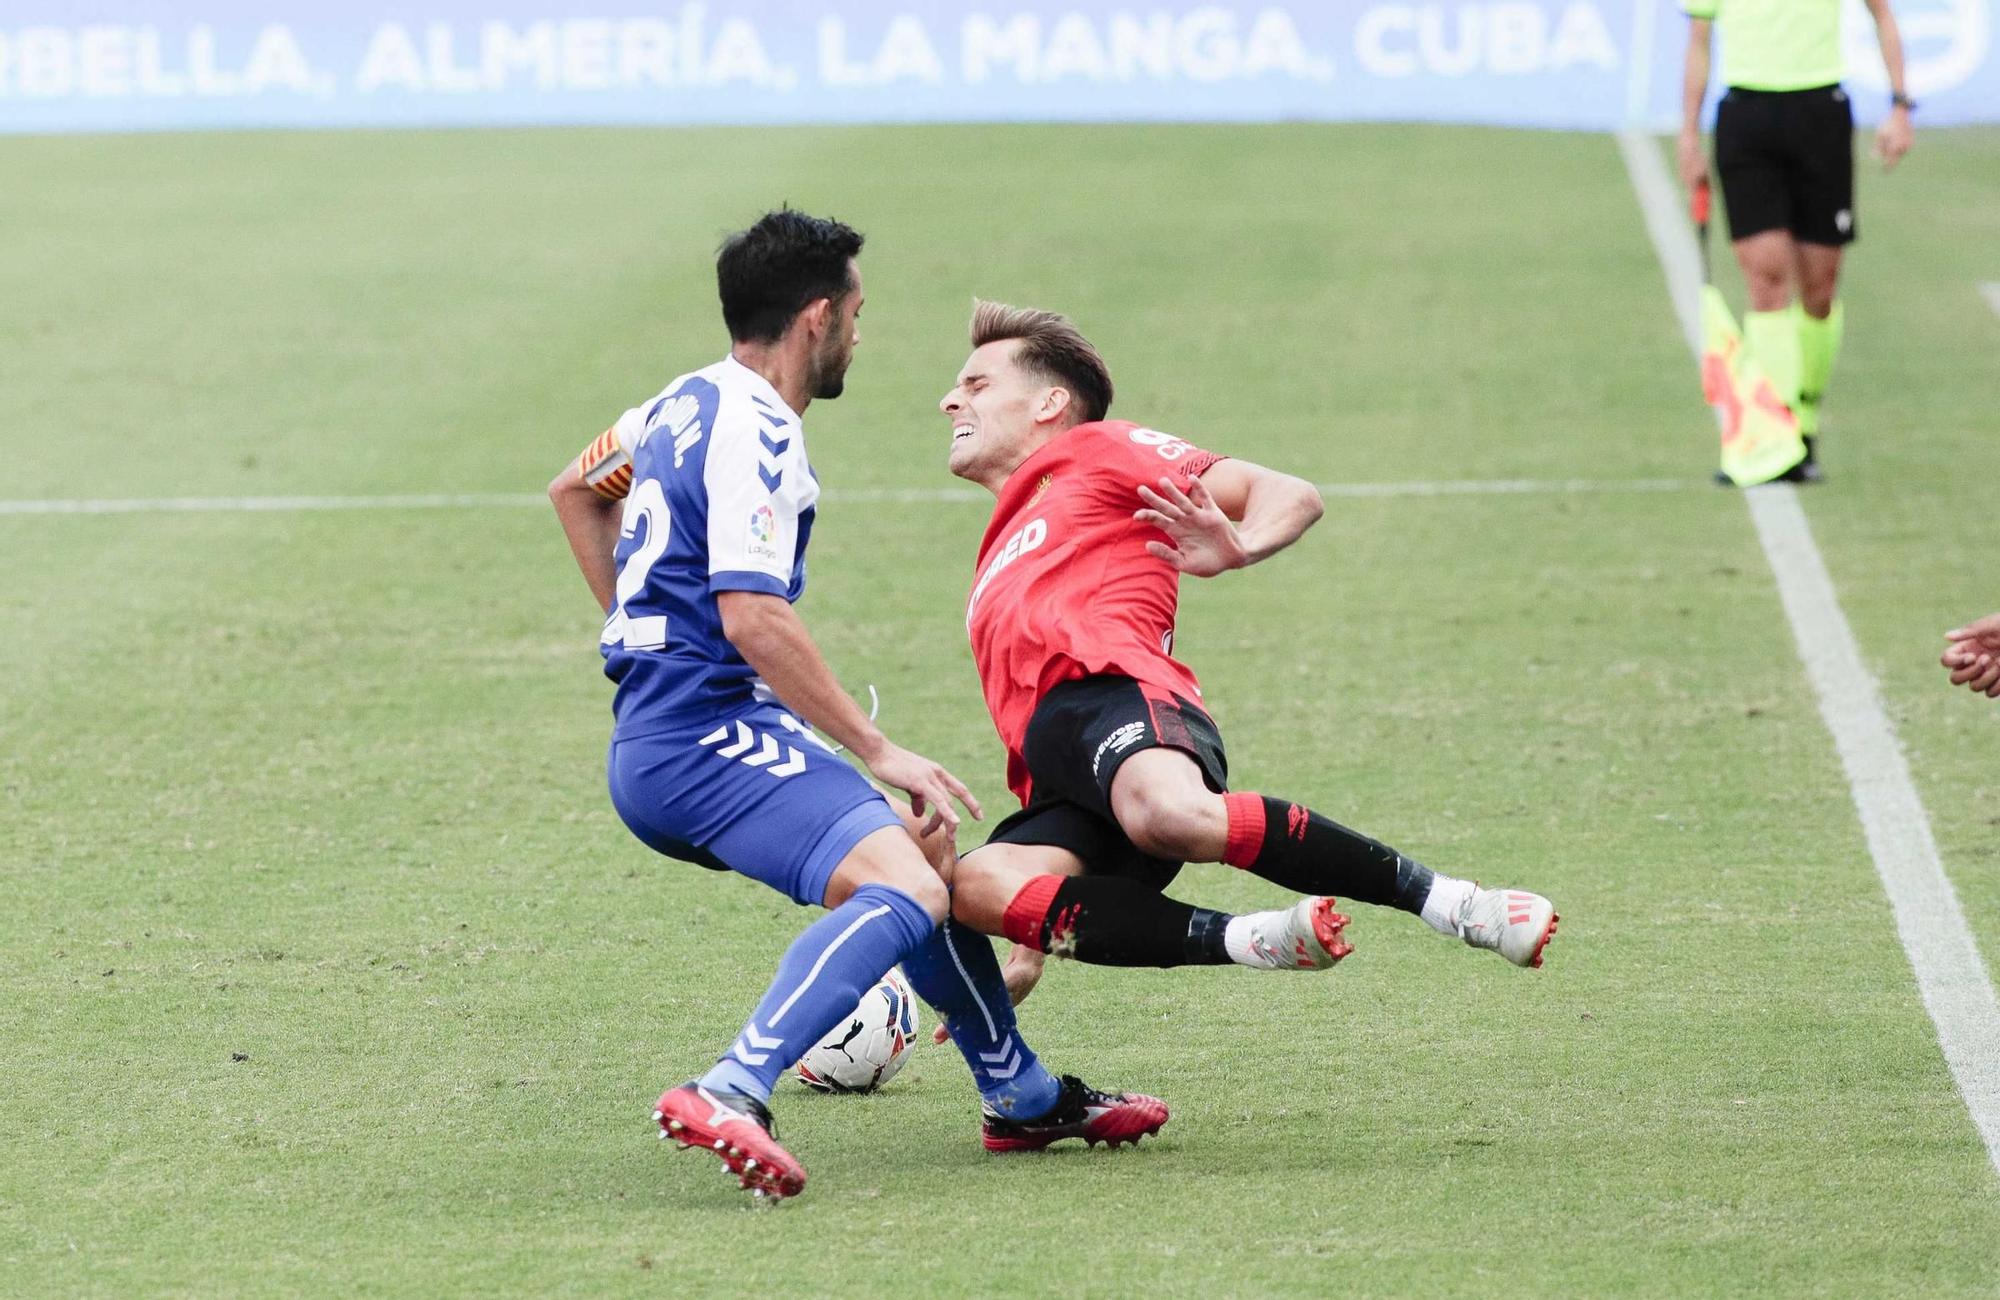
1079 736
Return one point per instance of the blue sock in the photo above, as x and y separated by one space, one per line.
955 971
823 974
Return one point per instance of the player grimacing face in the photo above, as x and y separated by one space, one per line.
996 410
836 349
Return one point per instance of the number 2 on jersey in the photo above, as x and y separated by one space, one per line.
647 504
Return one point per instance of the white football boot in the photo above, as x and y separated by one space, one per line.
1512 922
1304 936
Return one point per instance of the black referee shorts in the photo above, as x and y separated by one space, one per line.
1786 160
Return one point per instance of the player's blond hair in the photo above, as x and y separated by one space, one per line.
1051 347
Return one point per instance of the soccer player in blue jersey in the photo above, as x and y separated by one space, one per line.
689 519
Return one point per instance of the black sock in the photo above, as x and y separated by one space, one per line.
1301 850
1107 921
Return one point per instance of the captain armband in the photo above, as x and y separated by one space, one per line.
605 468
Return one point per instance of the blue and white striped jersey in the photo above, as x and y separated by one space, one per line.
721 499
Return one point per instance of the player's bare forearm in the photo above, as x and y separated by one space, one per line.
769 635
1276 513
1694 74
1890 37
772 639
1892 137
1231 515
591 523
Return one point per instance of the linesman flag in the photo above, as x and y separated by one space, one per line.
1760 434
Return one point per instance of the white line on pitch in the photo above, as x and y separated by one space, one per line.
481 500
1951 977
199 505
1992 291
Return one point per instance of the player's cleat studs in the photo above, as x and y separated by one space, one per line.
1305 936
1553 918
736 1131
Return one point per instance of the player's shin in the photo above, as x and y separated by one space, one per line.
1107 921
823 974
955 971
1290 845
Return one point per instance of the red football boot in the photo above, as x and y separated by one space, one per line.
737 1131
1081 1111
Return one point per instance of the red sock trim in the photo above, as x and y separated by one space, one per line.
1246 828
1030 908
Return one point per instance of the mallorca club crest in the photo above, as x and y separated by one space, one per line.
1041 488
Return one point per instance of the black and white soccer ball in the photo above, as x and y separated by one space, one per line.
865 1050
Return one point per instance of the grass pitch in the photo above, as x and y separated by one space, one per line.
327 968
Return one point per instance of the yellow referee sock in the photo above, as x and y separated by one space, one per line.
1772 339
1819 344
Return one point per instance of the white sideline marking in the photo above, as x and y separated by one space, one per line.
1951 977
480 500
1992 291
201 505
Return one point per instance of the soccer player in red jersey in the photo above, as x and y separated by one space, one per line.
1120 772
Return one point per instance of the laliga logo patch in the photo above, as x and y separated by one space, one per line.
763 532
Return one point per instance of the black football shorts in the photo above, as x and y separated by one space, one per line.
1786 161
1080 734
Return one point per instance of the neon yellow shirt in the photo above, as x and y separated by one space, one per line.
1775 44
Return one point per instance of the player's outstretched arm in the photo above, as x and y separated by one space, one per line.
591 516
1973 657
1234 515
772 639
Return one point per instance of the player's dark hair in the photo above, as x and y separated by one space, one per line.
1052 348
767 274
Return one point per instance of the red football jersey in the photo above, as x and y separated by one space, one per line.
1064 586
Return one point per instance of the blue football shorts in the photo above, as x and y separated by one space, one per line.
756 793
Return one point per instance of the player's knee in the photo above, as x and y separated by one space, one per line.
895 862
935 846
1767 293
1767 276
980 893
1168 824
922 884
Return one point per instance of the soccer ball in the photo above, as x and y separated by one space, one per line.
865 1050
